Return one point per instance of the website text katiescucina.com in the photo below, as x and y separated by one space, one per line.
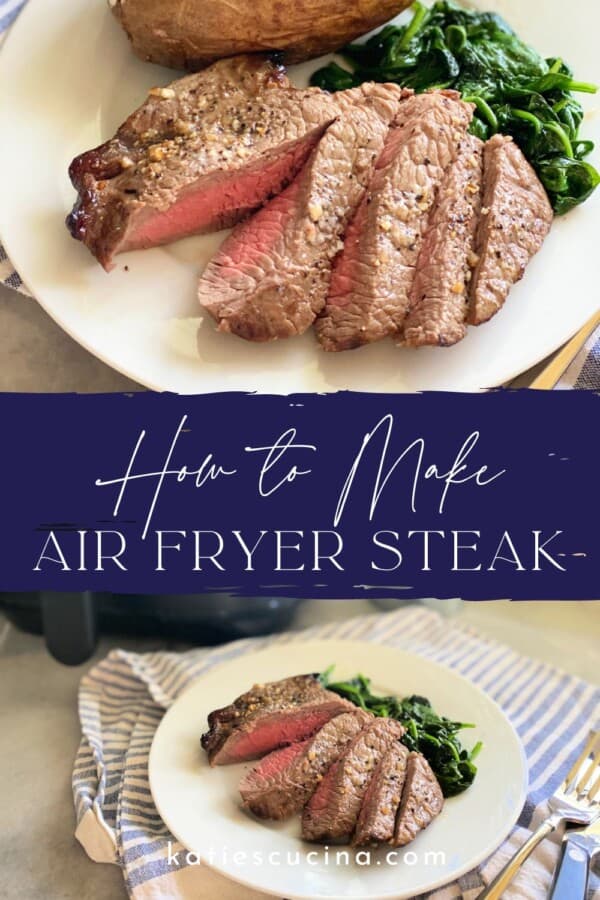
313 856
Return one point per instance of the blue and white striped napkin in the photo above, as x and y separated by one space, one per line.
122 700
9 10
584 372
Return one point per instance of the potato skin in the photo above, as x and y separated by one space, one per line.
190 34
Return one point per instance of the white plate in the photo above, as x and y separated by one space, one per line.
200 805
68 79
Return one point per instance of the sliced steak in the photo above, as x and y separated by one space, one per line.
282 783
271 276
438 298
377 817
516 217
333 809
372 278
197 156
422 800
270 716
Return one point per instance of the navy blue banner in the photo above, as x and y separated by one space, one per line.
338 495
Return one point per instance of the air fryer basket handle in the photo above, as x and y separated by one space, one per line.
69 622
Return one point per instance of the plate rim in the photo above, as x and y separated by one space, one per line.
323 642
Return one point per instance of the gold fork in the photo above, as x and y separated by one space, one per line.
573 804
556 368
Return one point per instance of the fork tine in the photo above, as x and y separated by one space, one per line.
571 779
588 773
594 789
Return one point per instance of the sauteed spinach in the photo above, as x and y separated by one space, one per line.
432 735
515 90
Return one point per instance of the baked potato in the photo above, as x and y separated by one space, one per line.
190 34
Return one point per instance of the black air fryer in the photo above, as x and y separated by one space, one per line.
71 623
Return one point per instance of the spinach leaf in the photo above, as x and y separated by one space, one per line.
569 181
515 90
432 735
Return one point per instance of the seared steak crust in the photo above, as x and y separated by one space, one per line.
372 278
282 783
516 217
197 156
270 716
422 800
333 809
438 298
413 230
271 277
378 812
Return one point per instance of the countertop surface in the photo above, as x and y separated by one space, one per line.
39 857
36 355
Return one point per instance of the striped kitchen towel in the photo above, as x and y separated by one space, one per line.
584 371
122 700
9 10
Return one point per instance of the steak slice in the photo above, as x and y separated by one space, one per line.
270 716
282 783
378 812
333 809
422 800
372 277
197 156
438 298
516 217
271 276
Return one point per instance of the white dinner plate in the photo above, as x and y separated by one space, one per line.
201 806
69 78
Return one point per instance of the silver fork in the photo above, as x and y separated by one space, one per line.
573 804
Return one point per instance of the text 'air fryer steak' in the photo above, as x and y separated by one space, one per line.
270 716
345 770
370 212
